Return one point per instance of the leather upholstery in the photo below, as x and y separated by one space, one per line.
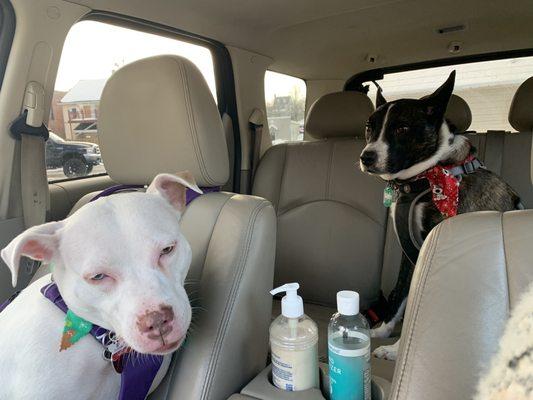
340 114
233 242
158 115
520 113
458 114
331 220
470 273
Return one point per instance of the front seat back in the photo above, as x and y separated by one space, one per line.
331 222
470 273
158 115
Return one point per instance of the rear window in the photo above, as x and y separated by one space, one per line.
488 87
285 106
92 52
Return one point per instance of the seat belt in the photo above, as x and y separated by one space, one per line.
29 128
256 121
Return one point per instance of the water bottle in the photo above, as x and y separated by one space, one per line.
349 350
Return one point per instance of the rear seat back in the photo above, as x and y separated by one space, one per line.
331 221
516 164
507 154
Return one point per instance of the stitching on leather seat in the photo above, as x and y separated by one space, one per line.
427 263
337 202
221 334
193 131
506 264
278 206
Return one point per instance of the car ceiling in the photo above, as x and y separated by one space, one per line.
317 39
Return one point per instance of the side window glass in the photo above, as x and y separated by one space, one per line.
285 106
92 52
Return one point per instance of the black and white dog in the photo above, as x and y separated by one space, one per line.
432 174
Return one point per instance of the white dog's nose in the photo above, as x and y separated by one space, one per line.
155 324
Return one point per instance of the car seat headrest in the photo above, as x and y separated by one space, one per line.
158 115
340 114
458 114
521 111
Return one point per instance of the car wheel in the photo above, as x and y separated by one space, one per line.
89 169
74 167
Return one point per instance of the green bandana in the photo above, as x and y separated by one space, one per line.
75 328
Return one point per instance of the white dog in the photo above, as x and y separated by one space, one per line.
119 262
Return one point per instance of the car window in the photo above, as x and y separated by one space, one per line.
285 106
488 87
92 52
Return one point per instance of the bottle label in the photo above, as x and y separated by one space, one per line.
349 369
294 370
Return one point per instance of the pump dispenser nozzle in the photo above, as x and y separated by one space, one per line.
292 305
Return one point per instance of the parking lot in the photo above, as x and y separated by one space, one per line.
57 173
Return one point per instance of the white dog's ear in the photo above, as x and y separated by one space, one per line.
173 188
39 243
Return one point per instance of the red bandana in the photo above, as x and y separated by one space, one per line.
444 187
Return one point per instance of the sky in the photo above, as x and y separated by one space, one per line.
93 50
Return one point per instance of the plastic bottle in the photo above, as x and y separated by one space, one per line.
349 350
293 344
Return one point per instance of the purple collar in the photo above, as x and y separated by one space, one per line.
190 194
135 377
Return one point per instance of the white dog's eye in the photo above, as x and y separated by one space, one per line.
98 277
167 250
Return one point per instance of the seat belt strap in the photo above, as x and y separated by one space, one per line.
256 121
32 133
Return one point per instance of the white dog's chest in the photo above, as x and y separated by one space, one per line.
31 329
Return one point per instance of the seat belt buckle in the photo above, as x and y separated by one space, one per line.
31 121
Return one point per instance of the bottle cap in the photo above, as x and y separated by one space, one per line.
348 302
292 305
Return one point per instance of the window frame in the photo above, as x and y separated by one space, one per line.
7 33
355 82
222 67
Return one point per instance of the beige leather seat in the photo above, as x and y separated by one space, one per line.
516 157
158 115
331 222
470 274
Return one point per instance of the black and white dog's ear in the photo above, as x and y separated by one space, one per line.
380 100
438 100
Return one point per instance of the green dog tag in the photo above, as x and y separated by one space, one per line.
388 196
75 328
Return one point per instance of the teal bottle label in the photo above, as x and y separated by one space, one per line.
349 366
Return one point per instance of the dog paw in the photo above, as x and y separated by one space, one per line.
382 331
387 352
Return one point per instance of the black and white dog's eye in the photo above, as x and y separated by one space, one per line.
402 129
167 250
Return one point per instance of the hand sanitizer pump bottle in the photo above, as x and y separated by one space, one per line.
349 350
293 344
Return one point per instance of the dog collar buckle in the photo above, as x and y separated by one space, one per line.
469 167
